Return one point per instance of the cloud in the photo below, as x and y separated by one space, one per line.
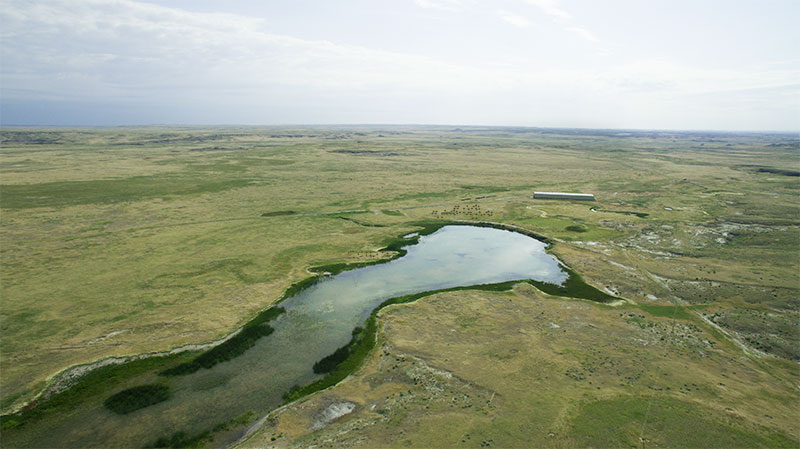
225 68
122 48
514 19
551 8
586 34
444 5
664 77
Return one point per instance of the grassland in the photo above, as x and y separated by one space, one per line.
123 241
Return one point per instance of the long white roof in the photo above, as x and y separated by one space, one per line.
562 193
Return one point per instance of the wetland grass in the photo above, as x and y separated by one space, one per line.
96 383
329 363
181 439
233 347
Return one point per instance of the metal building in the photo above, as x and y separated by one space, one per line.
563 196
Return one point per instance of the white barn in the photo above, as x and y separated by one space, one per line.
563 196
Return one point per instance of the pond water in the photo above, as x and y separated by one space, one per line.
318 320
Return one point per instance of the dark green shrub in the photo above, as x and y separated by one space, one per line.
132 399
234 347
576 228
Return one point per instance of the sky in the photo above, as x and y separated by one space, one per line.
636 64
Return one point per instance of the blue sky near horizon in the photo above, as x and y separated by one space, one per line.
655 64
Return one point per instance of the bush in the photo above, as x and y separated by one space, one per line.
576 228
132 399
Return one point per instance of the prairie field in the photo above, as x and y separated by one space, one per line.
123 241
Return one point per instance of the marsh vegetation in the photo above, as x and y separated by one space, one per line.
135 398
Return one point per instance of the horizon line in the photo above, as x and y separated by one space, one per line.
430 125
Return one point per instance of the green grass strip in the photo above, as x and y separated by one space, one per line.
233 347
329 363
624 212
278 213
360 223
